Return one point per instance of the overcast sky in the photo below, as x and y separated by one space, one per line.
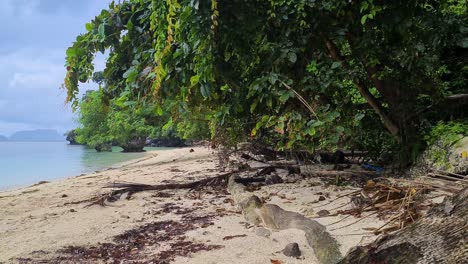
34 37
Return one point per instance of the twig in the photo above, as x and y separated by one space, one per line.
336 198
360 219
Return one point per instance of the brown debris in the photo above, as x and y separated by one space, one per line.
131 245
232 237
399 205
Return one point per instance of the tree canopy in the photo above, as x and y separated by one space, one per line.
298 74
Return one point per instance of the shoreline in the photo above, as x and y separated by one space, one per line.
146 154
50 219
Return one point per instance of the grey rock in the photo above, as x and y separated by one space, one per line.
273 179
323 213
263 232
292 250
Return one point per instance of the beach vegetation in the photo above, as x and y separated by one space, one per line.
313 75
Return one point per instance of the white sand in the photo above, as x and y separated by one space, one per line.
36 219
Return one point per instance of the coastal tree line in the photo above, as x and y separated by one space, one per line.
379 76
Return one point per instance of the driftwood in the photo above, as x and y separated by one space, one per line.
127 189
256 212
438 237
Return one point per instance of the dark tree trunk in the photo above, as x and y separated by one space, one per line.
439 237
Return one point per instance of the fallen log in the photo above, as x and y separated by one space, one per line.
127 189
438 237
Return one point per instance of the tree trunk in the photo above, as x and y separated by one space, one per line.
364 91
439 237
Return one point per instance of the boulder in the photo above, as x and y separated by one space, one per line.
292 250
134 145
442 156
172 142
71 137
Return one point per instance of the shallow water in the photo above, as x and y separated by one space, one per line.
24 163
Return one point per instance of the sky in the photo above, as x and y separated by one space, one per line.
34 37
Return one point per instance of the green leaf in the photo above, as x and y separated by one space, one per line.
335 64
159 110
205 90
358 117
310 131
194 80
284 97
363 19
102 31
131 74
253 106
273 78
315 123
130 25
89 26
71 52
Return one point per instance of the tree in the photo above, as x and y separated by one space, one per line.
92 118
114 122
294 74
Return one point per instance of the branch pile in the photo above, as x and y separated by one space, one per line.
398 205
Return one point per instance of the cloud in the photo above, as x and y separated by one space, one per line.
32 57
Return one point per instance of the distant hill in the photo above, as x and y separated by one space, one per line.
3 138
37 135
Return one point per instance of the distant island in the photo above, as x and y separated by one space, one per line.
3 138
36 135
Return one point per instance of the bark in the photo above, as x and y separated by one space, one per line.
439 237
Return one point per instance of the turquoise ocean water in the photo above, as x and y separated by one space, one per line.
25 163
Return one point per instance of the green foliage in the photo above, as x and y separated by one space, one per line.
295 74
92 117
449 133
102 124
126 125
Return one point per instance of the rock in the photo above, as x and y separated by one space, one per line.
192 150
444 156
263 232
292 250
134 145
273 179
166 142
71 137
72 211
64 196
282 173
322 198
323 213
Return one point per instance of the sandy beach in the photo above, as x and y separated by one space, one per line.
53 223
